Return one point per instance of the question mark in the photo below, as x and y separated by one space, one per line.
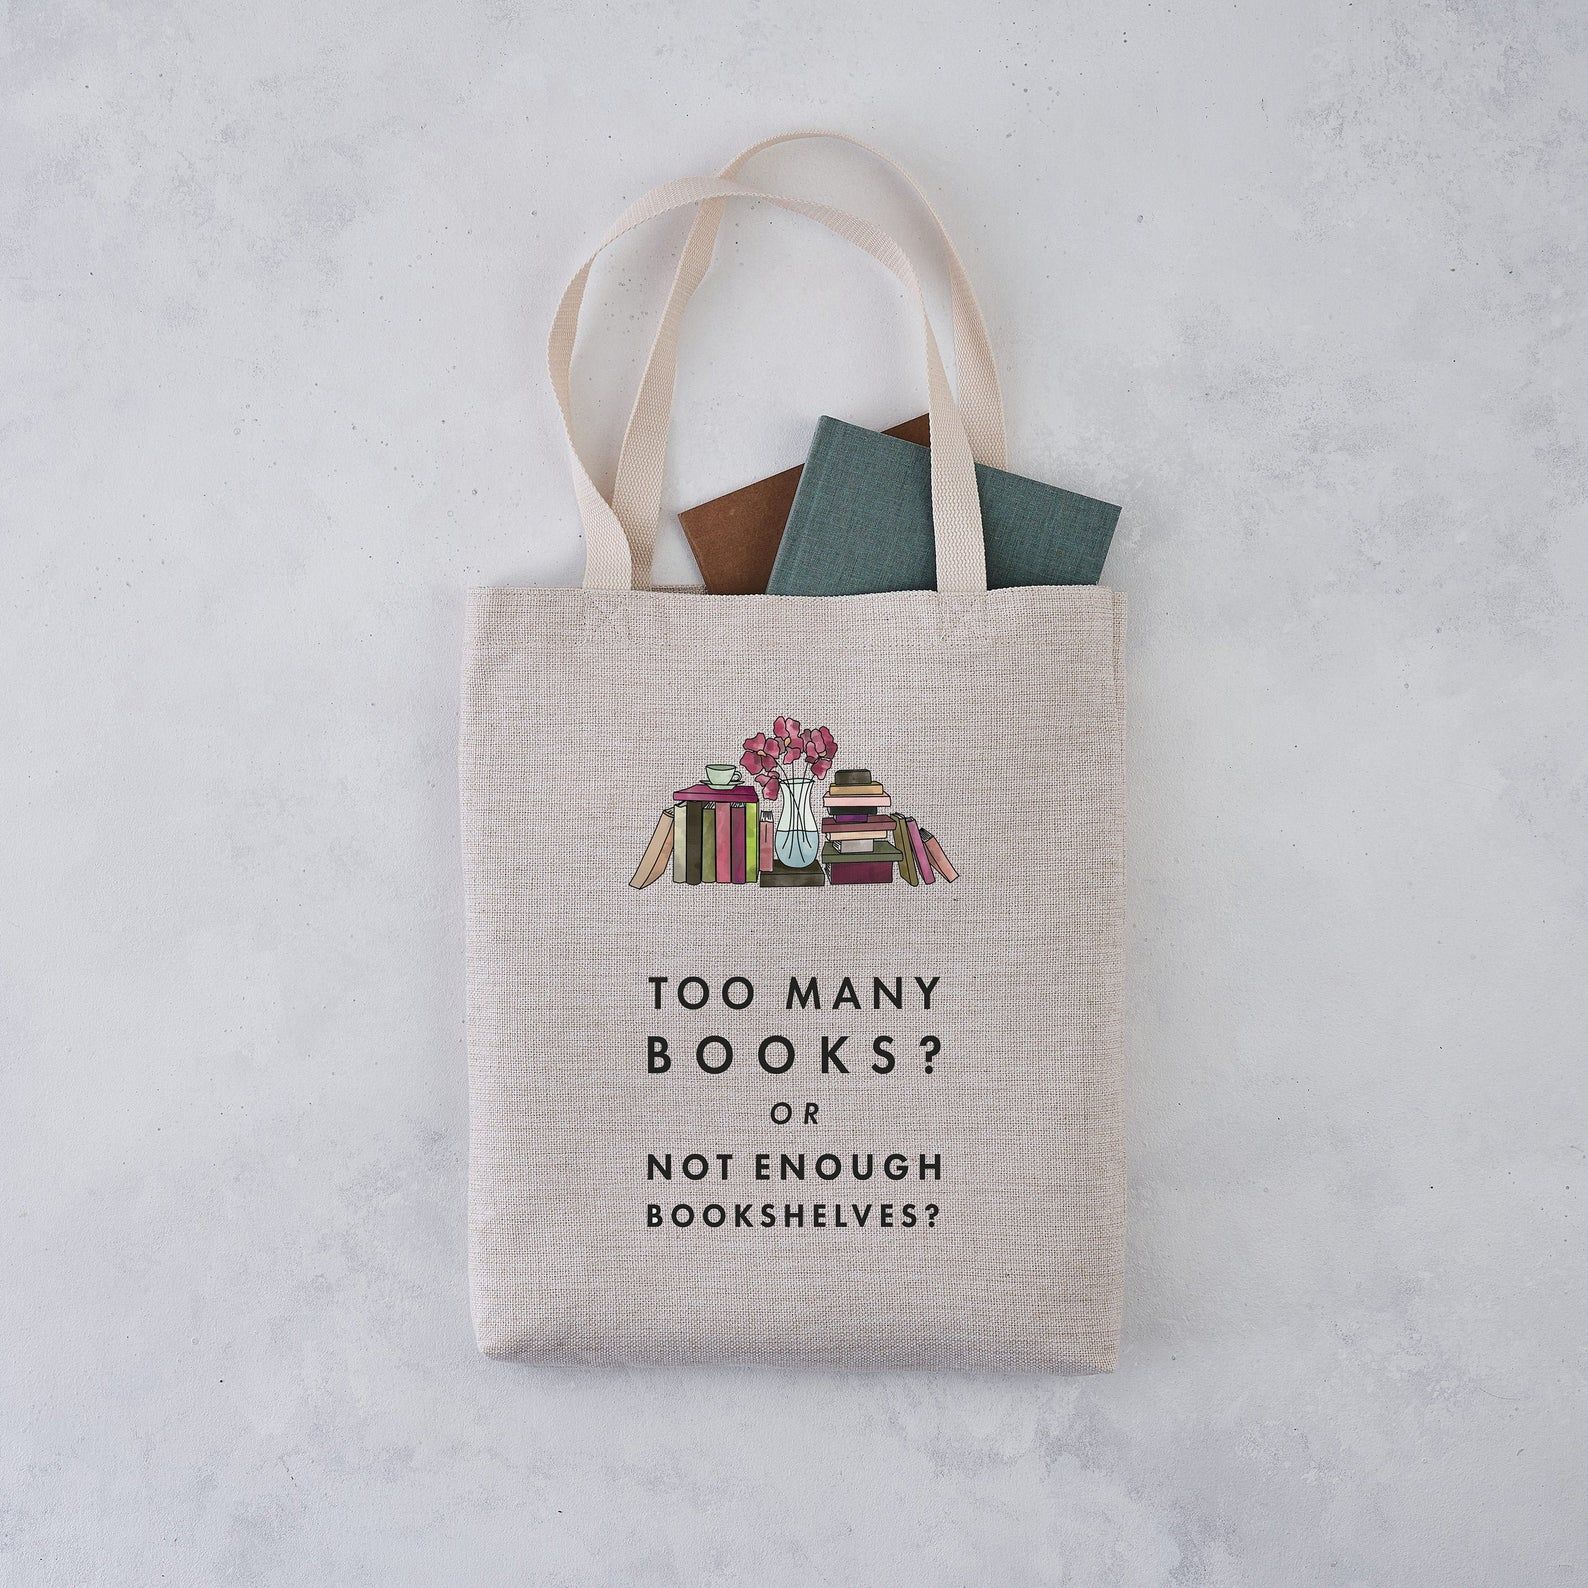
931 1052
931 1214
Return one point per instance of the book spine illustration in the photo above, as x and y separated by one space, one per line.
862 871
918 849
680 842
945 868
724 844
694 862
705 793
901 839
708 842
766 841
736 842
752 842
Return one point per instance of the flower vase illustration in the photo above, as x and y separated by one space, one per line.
795 836
787 764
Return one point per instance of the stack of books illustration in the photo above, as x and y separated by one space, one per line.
716 834
858 831
866 843
711 834
719 833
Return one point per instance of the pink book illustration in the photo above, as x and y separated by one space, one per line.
944 869
860 871
739 794
724 838
736 840
923 861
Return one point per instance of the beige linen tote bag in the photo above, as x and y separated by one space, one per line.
794 933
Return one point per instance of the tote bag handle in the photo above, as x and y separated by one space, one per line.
611 562
637 491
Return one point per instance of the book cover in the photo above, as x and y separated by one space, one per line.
901 837
735 537
923 863
658 853
944 868
861 522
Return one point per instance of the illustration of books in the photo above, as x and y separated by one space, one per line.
711 835
721 834
923 861
859 836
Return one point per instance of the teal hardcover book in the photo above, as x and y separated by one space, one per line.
861 522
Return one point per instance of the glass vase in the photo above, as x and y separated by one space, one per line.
796 834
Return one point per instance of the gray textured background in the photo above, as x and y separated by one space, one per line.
1298 284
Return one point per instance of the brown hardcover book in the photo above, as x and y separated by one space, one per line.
735 537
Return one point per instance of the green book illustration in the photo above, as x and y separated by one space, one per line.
680 843
708 842
901 837
881 849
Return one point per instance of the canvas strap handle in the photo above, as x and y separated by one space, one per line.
611 562
637 491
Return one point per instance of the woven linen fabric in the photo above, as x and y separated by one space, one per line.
994 719
862 522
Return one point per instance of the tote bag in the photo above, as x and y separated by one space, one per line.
737 1095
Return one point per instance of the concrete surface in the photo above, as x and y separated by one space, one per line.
1298 284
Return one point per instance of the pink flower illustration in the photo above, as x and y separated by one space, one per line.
785 746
